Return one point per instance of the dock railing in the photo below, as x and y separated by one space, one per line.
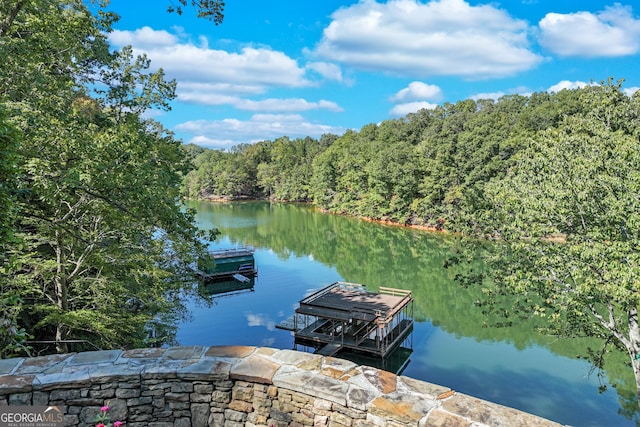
393 291
231 252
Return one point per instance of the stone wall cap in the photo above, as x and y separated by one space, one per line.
384 381
313 384
16 384
106 373
230 351
363 383
422 387
90 357
405 409
7 366
51 364
491 413
360 398
185 352
70 375
299 359
164 369
255 369
209 368
142 353
342 364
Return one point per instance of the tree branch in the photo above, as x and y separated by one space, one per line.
610 324
8 23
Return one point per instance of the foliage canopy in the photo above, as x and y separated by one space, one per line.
100 249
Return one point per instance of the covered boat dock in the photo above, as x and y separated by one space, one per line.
348 316
227 264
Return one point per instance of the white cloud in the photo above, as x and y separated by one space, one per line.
441 37
411 107
219 88
212 143
566 84
265 105
251 66
145 37
327 70
488 95
521 90
215 93
414 97
204 42
418 91
153 113
631 90
219 77
609 33
268 342
186 62
227 132
286 105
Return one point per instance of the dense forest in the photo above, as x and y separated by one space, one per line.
424 169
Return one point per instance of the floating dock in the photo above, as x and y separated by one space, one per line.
222 264
345 316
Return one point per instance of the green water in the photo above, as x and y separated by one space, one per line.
299 249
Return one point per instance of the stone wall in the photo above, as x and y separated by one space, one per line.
239 387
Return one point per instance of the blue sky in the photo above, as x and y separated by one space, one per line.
298 68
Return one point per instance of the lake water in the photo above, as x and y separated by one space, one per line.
299 249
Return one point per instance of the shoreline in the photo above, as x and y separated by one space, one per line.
429 228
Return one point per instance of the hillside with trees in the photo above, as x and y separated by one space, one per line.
423 169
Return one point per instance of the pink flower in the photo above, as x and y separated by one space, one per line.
117 424
104 409
100 425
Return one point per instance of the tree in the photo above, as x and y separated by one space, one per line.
212 10
267 177
106 248
12 335
8 174
565 222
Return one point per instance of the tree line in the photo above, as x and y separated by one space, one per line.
422 169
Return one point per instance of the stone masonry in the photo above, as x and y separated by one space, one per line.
236 386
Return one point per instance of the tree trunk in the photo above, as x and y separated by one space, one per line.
62 297
633 348
61 347
635 363
63 305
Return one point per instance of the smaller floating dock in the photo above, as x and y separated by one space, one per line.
345 316
233 264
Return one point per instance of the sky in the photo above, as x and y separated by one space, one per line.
301 68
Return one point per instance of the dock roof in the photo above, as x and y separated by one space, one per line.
345 301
